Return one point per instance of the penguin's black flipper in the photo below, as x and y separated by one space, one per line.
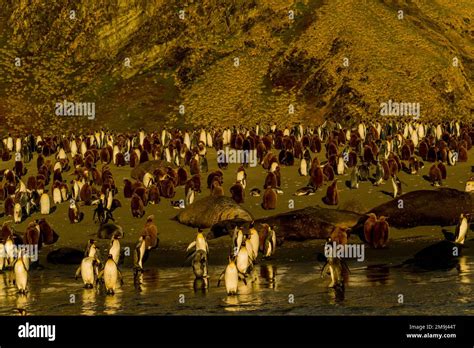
78 273
220 278
243 278
324 269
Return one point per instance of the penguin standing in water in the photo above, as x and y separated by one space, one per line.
2 257
21 267
244 261
140 255
199 243
254 239
115 248
237 239
335 267
231 277
461 229
91 249
88 270
111 275
269 245
9 251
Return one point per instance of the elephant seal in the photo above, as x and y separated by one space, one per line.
297 225
149 166
440 207
65 256
209 210
106 231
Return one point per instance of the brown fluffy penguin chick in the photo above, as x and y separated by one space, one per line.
237 192
150 233
138 208
369 228
317 177
270 180
435 175
332 194
443 170
380 233
339 235
269 199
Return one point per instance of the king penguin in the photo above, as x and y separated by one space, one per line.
111 275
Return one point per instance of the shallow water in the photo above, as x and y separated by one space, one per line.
370 290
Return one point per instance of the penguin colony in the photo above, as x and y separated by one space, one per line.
76 170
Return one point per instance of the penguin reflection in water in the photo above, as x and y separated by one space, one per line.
200 270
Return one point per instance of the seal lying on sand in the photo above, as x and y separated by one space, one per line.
149 166
298 225
440 207
106 231
209 210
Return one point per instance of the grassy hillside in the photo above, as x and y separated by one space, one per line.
336 58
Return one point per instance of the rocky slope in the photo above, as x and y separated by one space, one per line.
232 62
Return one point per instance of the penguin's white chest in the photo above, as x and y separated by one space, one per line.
254 240
201 244
21 275
110 275
242 260
115 250
87 270
231 278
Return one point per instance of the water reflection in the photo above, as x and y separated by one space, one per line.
378 274
464 270
201 285
269 272
113 303
157 290
89 301
22 302
336 295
